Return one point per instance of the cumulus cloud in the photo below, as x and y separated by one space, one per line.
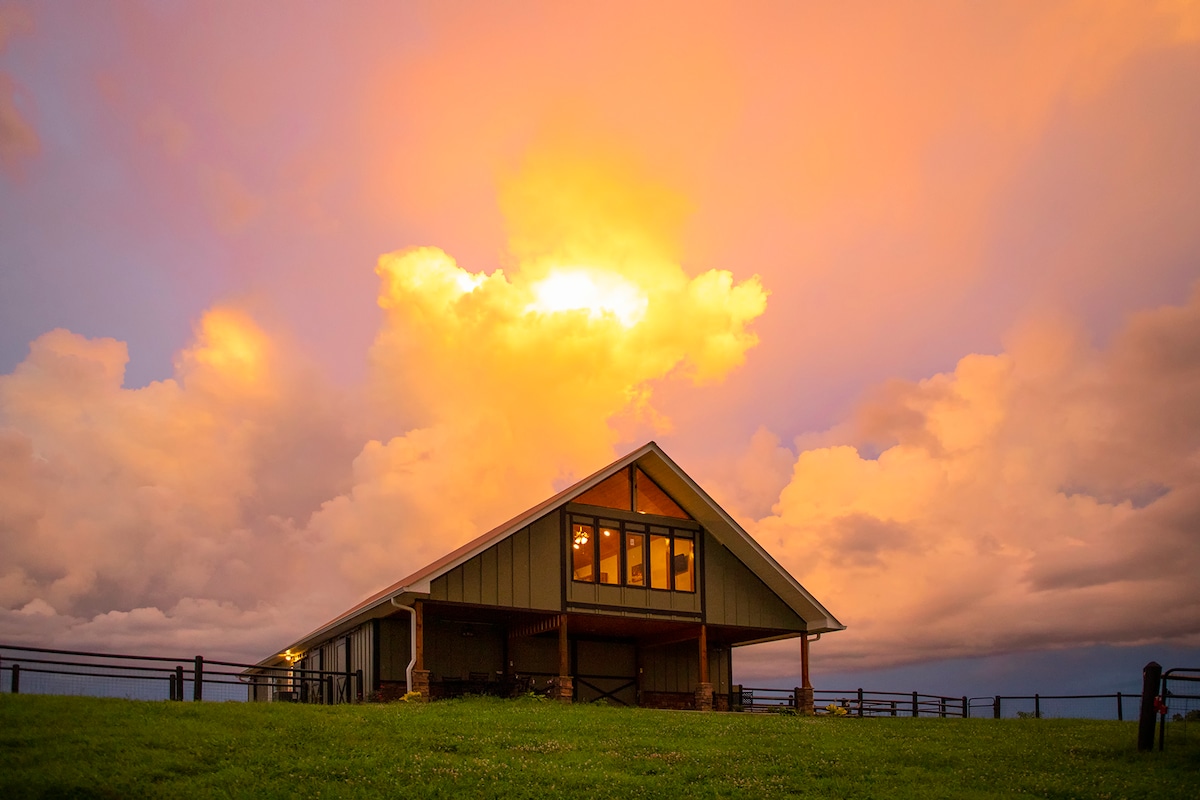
189 490
1046 496
507 387
202 503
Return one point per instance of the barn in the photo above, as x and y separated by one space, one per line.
631 586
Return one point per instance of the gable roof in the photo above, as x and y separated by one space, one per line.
663 471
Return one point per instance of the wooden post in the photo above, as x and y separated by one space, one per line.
179 684
1151 677
804 703
419 608
1120 709
564 688
704 690
564 654
805 683
198 682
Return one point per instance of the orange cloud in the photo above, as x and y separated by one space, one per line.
197 501
1038 498
484 370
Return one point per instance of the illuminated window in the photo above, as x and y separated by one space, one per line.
683 564
626 554
612 492
610 555
583 552
660 562
635 558
632 490
653 500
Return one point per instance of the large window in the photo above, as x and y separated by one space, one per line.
632 490
632 554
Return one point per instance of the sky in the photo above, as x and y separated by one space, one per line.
297 297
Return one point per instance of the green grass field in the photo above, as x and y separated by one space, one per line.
60 747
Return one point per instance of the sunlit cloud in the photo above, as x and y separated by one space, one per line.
1042 497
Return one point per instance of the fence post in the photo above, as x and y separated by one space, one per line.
966 708
171 685
198 680
1151 675
860 702
358 680
329 698
916 707
16 682
736 691
996 708
1120 709
178 682
942 707
893 708
1037 706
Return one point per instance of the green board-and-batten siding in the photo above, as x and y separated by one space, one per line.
516 572
736 596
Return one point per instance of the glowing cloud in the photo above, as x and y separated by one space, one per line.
1039 498
575 288
504 385
192 503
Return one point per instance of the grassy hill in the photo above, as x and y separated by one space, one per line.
58 747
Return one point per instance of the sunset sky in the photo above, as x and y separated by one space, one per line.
296 297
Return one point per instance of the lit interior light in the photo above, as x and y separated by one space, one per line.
579 537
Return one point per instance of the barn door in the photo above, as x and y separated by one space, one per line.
606 671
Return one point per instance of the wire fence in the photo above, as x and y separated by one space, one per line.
39 670
36 670
1180 698
867 703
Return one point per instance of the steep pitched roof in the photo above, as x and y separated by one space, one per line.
667 474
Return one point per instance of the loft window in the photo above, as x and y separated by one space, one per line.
625 553
653 500
632 490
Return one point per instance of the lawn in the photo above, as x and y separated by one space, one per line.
58 747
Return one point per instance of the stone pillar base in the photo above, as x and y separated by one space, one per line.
704 697
562 688
804 700
420 683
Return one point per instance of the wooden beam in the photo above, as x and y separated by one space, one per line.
564 660
804 681
419 608
703 653
534 628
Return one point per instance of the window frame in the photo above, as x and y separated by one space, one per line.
659 526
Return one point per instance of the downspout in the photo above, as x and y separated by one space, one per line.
412 642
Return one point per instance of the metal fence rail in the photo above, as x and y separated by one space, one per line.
40 670
868 703
1180 697
864 703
